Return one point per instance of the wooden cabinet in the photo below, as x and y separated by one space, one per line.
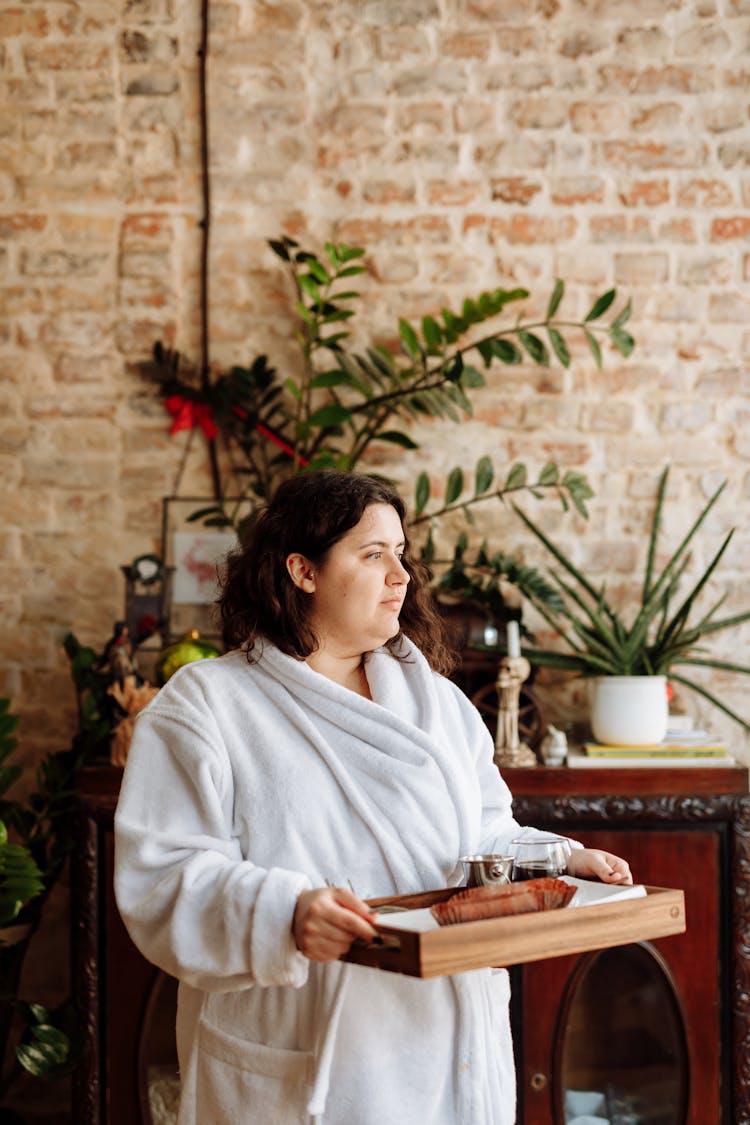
687 828
656 1034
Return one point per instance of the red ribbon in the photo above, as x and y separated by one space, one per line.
187 414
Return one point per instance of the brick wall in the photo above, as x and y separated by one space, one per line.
466 144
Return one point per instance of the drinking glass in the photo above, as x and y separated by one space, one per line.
539 857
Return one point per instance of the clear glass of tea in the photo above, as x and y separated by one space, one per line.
539 857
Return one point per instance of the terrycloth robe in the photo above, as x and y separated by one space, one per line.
249 783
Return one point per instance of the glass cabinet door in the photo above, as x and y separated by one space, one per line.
621 1050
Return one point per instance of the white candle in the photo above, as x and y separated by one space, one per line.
513 637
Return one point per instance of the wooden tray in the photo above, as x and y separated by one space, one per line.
518 938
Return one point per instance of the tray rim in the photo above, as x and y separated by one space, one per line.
550 933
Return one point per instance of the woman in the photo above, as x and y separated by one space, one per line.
322 761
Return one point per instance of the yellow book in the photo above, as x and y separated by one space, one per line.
658 750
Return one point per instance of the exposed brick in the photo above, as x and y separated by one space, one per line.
689 416
453 193
705 270
577 190
67 56
678 230
388 191
641 269
157 84
620 228
729 229
705 193
139 47
656 80
464 45
514 189
702 41
729 307
540 113
649 193
527 229
20 21
654 154
598 117
662 117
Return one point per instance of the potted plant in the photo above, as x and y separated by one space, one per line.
35 839
663 637
340 403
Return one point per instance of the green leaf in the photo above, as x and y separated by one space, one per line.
593 343
397 438
506 351
454 371
550 474
333 414
433 335
422 493
555 299
279 249
486 349
349 252
454 486
351 271
335 378
409 337
517 477
559 347
309 286
600 305
484 474
471 378
623 341
318 271
623 318
293 389
536 347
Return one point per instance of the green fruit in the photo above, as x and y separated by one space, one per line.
185 651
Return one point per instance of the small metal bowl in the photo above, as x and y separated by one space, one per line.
486 870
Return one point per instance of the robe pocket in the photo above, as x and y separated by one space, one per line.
237 1079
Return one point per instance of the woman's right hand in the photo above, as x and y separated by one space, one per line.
327 920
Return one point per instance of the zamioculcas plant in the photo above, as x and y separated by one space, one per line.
665 633
339 401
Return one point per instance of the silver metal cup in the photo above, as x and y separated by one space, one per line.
486 870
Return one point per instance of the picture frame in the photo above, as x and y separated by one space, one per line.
193 556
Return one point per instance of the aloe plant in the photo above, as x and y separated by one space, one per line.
665 634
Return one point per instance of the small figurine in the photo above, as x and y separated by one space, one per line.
118 658
554 746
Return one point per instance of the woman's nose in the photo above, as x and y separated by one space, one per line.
398 573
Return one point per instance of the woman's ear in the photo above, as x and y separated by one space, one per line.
301 572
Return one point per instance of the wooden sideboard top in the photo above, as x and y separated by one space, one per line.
628 781
99 785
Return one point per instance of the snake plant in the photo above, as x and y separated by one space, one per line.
667 629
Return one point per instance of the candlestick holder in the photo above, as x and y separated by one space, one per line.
509 750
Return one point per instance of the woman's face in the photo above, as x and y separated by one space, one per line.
357 593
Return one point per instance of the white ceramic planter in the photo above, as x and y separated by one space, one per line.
629 710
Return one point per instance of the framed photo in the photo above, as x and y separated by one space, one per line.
194 556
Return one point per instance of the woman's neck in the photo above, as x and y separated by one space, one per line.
349 671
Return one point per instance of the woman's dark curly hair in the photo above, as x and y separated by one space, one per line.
307 515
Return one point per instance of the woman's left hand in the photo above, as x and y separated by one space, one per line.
594 863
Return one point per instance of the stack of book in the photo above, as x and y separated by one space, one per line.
679 748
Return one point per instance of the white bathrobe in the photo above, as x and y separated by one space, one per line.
249 783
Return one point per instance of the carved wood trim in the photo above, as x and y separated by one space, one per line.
86 1085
